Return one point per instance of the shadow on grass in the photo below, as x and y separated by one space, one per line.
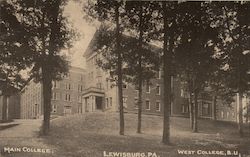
7 126
92 134
6 121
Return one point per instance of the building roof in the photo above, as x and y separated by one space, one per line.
92 45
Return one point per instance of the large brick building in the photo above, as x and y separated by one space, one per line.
101 94
66 95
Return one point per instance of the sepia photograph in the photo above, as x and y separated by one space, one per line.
124 78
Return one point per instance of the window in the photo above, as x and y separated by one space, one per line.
158 106
206 109
172 83
55 84
159 74
68 86
137 93
81 77
79 99
107 83
147 87
233 115
110 101
54 96
107 102
124 85
184 108
67 97
222 114
158 90
182 93
125 102
80 88
147 105
54 108
99 85
136 103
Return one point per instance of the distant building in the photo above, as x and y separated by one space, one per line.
66 96
9 107
31 100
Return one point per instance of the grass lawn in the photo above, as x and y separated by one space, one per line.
91 134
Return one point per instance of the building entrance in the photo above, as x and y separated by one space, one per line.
99 103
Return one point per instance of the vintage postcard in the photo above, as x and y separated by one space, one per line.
124 78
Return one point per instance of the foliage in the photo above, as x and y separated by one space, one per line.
40 31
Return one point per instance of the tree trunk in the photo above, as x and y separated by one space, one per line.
240 115
167 81
214 107
4 107
139 106
247 114
46 69
119 68
191 110
195 125
47 85
140 72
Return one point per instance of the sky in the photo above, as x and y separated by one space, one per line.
74 12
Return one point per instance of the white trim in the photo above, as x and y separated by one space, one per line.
125 105
146 105
159 74
148 87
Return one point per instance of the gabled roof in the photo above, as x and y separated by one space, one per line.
89 49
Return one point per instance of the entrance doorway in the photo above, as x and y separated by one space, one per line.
98 103
67 110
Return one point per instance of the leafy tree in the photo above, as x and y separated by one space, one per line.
237 49
46 33
13 56
218 89
167 59
13 44
169 30
195 52
141 62
165 31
